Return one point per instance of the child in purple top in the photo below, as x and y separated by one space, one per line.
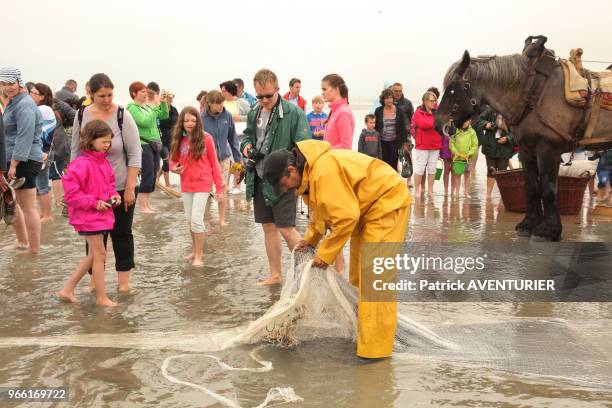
317 118
89 193
447 157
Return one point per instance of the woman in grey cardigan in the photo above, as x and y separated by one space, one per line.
22 136
125 158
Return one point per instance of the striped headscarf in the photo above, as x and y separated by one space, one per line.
10 75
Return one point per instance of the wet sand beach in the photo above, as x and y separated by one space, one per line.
112 357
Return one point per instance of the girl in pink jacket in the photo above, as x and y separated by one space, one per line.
89 193
193 156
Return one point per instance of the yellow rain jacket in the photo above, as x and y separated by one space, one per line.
364 199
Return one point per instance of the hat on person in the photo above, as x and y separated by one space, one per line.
274 168
10 75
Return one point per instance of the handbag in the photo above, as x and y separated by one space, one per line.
406 162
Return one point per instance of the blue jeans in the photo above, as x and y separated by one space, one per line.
150 165
42 181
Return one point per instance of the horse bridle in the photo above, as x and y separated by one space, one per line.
467 87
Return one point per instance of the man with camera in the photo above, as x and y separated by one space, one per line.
272 124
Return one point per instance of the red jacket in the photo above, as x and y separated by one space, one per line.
199 175
425 136
301 101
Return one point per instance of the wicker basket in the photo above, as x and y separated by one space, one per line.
569 197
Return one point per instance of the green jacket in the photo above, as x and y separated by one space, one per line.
284 133
146 118
464 142
490 147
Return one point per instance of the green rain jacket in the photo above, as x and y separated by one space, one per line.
464 142
288 126
487 137
146 119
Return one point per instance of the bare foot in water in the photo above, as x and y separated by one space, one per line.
106 302
67 296
46 220
147 211
17 246
188 257
197 262
126 290
271 281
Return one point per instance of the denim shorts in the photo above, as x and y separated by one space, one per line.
42 181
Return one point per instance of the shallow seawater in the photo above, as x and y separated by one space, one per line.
113 357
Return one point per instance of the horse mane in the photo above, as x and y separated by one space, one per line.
504 70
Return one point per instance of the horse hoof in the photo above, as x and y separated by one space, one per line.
548 231
523 233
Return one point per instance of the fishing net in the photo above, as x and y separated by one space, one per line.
313 303
316 303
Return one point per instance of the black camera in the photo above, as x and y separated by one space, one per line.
252 159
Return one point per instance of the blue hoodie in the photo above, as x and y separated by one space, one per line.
221 128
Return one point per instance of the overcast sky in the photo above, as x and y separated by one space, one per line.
190 45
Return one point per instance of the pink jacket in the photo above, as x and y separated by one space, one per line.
199 175
89 178
340 126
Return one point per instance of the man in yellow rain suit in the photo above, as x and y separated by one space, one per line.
356 197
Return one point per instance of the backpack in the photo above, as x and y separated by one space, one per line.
60 146
120 113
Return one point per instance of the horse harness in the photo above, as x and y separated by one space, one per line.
542 63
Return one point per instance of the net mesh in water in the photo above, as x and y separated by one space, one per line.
316 303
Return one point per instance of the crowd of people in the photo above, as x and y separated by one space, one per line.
107 157
99 159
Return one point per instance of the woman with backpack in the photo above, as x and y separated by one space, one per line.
125 157
42 95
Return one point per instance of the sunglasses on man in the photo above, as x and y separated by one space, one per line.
267 96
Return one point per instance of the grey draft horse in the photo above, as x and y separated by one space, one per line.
545 127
